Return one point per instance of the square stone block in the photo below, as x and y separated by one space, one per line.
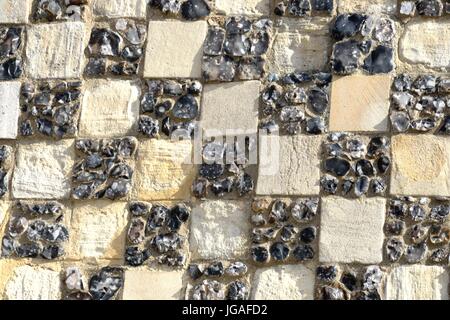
15 11
120 8
43 170
174 49
289 165
110 109
420 165
55 50
144 284
360 103
220 229
9 109
243 7
351 230
230 107
289 282
417 282
372 6
164 170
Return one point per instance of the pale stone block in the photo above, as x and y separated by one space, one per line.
174 49
164 170
220 229
9 109
144 284
43 170
120 8
351 230
360 103
417 282
289 165
14 11
420 165
55 50
110 109
4 212
243 7
367 6
289 282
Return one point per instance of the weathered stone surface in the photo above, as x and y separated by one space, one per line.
219 230
174 49
9 109
120 8
422 43
164 170
98 230
289 165
352 230
417 282
244 7
231 107
4 212
55 50
360 103
110 109
372 6
13 11
289 282
144 284
420 165
43 170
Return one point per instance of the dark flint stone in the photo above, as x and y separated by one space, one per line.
52 251
236 269
423 125
44 126
105 284
398 209
238 25
10 42
26 129
347 185
237 45
368 295
93 161
136 231
402 82
279 251
55 233
104 42
260 254
259 43
378 185
195 9
380 60
347 25
78 295
199 187
250 68
331 293
303 252
430 8
280 9
215 269
299 8
329 184
439 213
124 68
315 125
308 234
8 246
158 217
28 250
166 242
394 249
322 5
362 185
11 69
377 145
364 167
148 126
36 230
194 271
222 186
322 78
95 67
270 126
181 211
382 164
139 209
417 212
365 46
337 166
396 227
288 232
326 273
3 183
237 290
425 84
195 87
439 255
211 171
349 281
135 257
244 184
345 59
221 68
131 53
166 126
214 41
186 108
318 100
416 252
296 78
278 212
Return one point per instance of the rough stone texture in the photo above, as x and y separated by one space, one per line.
372 6
9 109
144 284
422 43
364 107
420 165
293 169
417 282
352 230
110 109
43 170
98 230
290 282
55 50
230 107
164 170
14 11
219 230
174 49
244 7
120 8
4 212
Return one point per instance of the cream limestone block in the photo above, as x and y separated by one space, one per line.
98 230
220 229
289 165
230 107
351 230
420 165
367 6
110 109
164 170
244 7
5 207
360 103
14 11
9 109
144 284
288 282
174 49
120 8
417 282
43 170
55 50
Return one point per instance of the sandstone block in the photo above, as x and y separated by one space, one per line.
243 7
43 170
360 103
13 11
174 49
370 7
9 109
352 230
120 8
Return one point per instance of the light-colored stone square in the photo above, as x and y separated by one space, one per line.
367 7
110 109
420 165
9 109
43 170
55 50
174 49
120 8
144 284
351 230
243 7
417 282
289 282
14 11
5 207
360 103
230 107
289 165
220 229
164 170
